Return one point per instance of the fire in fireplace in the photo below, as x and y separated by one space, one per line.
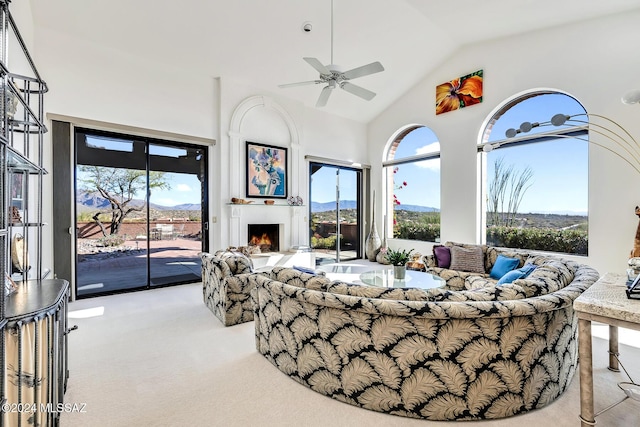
265 236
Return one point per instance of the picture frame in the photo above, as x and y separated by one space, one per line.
266 171
633 289
460 92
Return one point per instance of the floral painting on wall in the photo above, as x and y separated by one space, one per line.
266 171
459 93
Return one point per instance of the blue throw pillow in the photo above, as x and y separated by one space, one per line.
519 273
502 266
528 268
304 269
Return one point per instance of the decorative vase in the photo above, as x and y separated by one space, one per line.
381 258
399 272
372 244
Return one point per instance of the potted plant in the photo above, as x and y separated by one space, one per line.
398 258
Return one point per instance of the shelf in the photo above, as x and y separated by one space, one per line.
18 162
36 312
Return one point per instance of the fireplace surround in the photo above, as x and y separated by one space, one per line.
265 236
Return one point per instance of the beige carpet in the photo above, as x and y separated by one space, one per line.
160 358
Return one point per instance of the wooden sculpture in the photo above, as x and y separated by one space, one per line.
636 243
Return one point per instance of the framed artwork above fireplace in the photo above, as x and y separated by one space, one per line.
266 171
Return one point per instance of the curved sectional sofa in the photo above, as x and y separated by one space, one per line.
487 352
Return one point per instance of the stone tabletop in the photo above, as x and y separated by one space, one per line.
607 298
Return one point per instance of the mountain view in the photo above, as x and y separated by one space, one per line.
86 201
351 204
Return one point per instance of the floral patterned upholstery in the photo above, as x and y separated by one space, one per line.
291 276
459 280
225 286
434 354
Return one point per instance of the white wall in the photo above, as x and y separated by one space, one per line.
594 61
249 115
87 81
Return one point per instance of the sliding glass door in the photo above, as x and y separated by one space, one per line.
175 214
335 212
139 212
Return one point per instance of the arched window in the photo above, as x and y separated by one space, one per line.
536 176
412 172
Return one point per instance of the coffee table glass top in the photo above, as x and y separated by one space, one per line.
413 279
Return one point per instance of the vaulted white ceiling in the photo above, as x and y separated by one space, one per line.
262 42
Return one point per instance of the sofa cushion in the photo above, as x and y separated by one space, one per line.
455 279
502 266
491 292
443 256
400 294
518 273
550 276
467 259
558 271
297 278
477 281
238 262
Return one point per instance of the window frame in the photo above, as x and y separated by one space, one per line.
389 164
580 132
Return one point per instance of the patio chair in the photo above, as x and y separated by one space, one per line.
166 231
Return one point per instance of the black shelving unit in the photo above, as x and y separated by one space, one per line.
33 315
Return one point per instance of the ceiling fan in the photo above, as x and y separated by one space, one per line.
334 78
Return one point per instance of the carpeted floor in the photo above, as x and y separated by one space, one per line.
160 358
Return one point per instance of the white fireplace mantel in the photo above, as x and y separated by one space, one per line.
292 219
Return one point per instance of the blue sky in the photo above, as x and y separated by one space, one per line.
561 171
185 188
323 184
558 185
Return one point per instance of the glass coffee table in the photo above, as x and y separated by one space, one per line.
343 271
412 279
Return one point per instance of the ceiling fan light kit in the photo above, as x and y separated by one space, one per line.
333 77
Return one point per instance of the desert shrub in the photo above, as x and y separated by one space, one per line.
88 217
323 242
570 241
423 232
112 240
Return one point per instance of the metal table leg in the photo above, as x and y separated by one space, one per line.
586 373
613 349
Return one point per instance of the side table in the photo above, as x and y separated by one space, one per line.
606 302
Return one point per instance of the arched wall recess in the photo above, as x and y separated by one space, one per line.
260 119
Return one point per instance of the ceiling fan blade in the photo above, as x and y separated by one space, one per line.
358 91
311 82
315 63
324 96
365 70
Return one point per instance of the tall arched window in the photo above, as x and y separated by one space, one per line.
536 176
412 171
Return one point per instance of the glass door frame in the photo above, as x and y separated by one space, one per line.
148 141
362 183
